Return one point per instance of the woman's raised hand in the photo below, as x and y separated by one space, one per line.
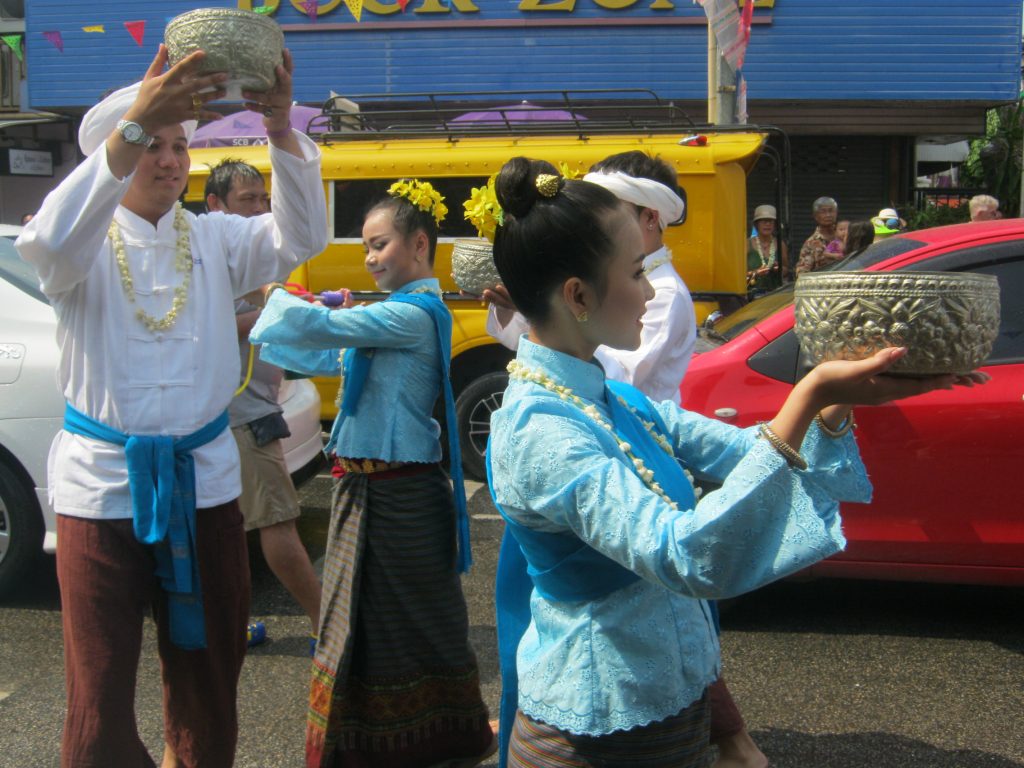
863 382
832 388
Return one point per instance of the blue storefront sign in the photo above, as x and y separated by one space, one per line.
912 50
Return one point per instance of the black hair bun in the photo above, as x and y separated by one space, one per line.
516 185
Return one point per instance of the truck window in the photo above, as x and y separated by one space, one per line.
353 197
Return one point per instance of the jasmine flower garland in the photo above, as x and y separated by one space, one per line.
182 265
521 372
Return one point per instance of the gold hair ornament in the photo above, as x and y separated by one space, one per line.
547 184
422 195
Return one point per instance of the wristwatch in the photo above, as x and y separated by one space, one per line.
132 133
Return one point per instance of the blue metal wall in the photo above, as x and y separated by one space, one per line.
810 49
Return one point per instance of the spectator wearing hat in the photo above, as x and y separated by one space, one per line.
767 258
815 254
984 208
887 223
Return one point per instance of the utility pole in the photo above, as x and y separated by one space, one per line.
721 85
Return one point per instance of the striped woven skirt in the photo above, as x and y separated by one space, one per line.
395 683
680 741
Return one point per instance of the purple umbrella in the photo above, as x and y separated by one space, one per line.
515 113
245 128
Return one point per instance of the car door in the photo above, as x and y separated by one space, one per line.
945 465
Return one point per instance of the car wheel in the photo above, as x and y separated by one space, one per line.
21 529
473 410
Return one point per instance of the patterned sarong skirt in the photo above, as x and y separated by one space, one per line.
395 683
680 741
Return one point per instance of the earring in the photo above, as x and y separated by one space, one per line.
650 226
581 317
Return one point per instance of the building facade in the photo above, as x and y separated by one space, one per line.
855 84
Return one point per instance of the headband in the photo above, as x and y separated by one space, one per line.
646 193
101 121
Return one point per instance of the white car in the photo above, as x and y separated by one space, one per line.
32 411
10 231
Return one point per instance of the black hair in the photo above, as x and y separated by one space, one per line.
859 236
224 174
544 240
640 165
408 219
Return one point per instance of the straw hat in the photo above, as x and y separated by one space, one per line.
765 212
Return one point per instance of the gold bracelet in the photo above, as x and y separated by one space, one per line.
270 289
835 434
791 455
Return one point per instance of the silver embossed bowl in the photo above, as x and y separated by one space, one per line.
246 45
947 320
473 266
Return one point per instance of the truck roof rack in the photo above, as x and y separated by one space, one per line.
454 115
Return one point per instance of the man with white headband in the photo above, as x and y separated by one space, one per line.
144 477
670 325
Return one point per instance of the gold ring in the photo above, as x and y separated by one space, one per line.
197 102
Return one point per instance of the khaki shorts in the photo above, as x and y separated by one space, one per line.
268 496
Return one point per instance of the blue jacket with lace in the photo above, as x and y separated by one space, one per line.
648 650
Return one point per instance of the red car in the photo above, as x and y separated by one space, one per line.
945 465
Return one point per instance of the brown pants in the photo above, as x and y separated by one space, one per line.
106 586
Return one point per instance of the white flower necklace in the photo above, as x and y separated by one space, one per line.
341 354
769 260
182 265
517 370
665 259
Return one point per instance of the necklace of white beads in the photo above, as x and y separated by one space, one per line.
517 370
182 265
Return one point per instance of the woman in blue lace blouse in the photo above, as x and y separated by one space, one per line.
394 679
606 640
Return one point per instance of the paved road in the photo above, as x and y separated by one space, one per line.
828 674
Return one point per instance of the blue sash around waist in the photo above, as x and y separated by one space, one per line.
355 369
161 481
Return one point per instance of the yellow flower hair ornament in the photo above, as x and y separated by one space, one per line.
422 195
483 210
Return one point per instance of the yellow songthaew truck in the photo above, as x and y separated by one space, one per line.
364 153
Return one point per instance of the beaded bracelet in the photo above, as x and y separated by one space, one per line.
790 454
284 132
835 434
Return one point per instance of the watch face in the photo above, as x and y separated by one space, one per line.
132 132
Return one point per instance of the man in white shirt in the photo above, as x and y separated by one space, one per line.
144 477
269 502
657 366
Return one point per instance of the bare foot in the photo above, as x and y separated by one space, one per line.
739 751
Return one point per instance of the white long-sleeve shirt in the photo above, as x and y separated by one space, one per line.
166 382
658 365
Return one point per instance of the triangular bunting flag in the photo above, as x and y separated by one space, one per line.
55 37
403 4
311 7
355 7
266 9
94 28
136 29
14 43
